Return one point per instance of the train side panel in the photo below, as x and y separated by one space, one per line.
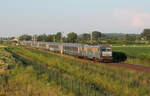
91 52
72 49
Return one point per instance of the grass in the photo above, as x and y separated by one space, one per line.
22 80
142 54
97 78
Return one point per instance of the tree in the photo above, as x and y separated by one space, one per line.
96 35
86 36
42 37
130 37
50 38
72 37
58 37
146 34
25 37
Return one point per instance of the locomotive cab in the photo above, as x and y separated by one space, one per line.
106 53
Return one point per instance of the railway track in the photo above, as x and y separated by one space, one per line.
136 67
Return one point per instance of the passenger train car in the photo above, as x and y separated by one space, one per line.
97 52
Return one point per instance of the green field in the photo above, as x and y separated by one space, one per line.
142 54
76 77
139 52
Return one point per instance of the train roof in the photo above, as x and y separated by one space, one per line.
98 46
105 45
74 44
65 44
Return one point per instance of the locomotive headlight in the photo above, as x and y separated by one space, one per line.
106 52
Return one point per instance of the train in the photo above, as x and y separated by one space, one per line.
102 52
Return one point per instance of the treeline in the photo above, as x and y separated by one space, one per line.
95 37
71 37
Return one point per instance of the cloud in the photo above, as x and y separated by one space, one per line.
132 18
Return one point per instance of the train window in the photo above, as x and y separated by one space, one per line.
108 49
104 49
70 48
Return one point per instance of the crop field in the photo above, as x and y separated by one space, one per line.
75 77
141 54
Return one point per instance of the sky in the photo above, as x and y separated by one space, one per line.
19 17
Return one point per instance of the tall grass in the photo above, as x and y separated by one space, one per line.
22 80
106 80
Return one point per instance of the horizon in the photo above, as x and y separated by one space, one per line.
38 17
65 35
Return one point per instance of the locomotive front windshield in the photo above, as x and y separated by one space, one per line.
106 50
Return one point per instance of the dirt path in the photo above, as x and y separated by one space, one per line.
138 68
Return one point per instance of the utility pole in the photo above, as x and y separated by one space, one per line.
62 42
54 38
137 37
62 37
91 37
34 39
